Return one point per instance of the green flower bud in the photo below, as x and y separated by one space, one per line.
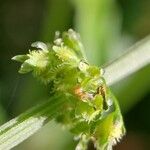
91 112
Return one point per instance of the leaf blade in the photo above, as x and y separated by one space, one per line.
135 58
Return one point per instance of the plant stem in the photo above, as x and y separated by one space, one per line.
23 126
131 61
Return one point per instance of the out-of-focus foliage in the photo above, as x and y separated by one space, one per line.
23 22
98 22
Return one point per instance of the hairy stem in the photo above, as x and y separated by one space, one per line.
131 61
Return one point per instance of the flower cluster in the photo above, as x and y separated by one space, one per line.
91 112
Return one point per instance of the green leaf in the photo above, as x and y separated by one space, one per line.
110 129
81 127
72 39
25 68
135 58
20 58
20 128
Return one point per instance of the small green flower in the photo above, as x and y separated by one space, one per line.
91 112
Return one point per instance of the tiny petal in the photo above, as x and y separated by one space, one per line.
20 58
40 45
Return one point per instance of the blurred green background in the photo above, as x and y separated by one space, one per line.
107 28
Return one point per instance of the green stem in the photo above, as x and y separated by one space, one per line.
137 57
22 127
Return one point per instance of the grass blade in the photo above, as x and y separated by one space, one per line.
20 128
134 59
